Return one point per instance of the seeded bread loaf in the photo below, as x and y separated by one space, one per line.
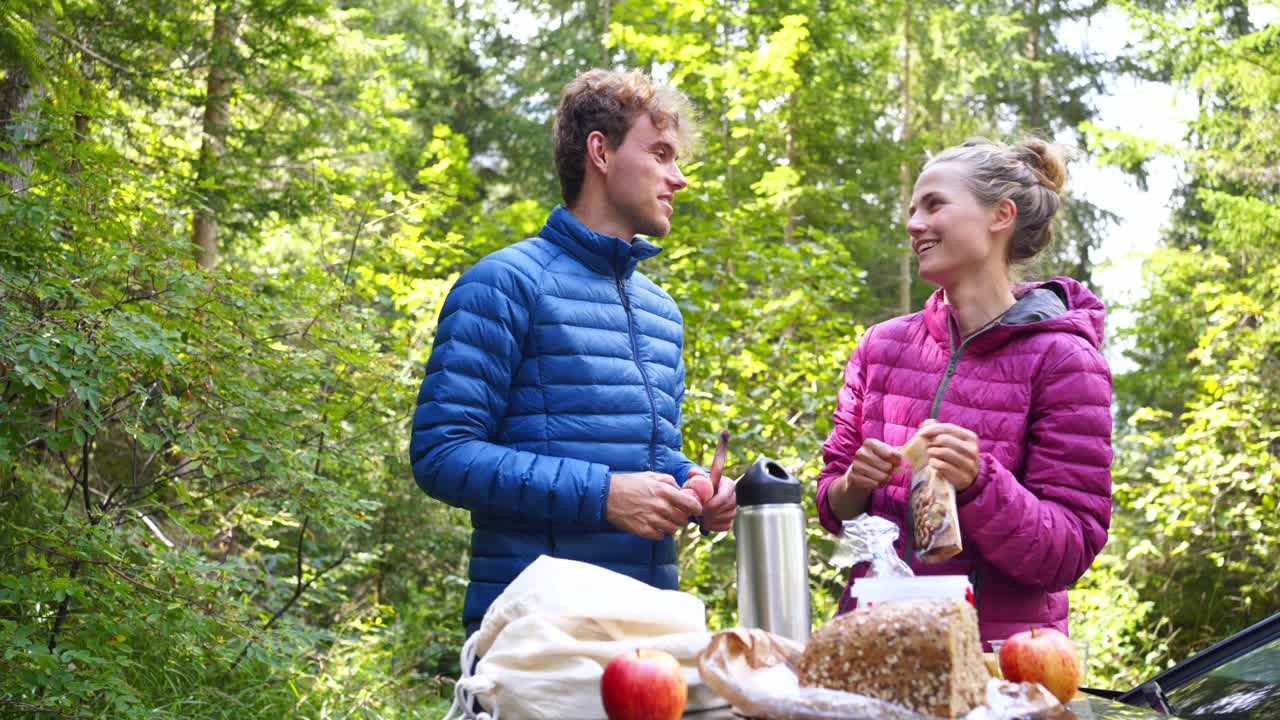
924 655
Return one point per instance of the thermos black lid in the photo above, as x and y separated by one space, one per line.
768 483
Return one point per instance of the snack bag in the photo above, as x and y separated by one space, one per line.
935 524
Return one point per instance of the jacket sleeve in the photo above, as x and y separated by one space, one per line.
846 434
464 396
680 463
1046 530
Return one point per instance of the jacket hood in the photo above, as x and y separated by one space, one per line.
1057 305
605 254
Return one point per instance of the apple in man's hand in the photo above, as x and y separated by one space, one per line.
700 487
1045 656
644 685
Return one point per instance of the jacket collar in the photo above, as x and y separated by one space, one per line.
1060 304
606 254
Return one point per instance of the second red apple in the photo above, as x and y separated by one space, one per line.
1045 656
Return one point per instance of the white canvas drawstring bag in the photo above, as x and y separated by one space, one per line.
544 642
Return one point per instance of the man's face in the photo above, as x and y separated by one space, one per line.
643 178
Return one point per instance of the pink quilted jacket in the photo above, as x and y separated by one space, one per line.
1036 390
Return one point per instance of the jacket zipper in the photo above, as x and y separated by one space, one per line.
952 362
644 378
653 407
954 359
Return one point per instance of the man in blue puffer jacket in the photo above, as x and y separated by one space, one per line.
551 403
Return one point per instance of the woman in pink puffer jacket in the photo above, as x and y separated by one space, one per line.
1005 379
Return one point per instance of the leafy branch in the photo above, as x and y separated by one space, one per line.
299 588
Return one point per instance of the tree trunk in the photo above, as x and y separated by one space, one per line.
789 229
1036 114
17 126
726 138
81 119
217 119
904 171
604 36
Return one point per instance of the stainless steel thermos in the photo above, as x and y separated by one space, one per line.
773 562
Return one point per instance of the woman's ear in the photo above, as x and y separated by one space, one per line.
598 152
1004 217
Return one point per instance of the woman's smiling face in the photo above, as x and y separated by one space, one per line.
950 228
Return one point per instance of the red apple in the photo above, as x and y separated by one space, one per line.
643 685
700 486
1044 656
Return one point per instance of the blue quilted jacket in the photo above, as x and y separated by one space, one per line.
555 364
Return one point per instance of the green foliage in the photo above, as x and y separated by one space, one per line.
207 505
1194 538
207 500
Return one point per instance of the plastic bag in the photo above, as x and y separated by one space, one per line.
868 538
755 670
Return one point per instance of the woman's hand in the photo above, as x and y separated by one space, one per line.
953 452
873 465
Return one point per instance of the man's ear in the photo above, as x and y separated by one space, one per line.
1004 216
598 152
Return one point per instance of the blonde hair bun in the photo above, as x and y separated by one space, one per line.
1047 160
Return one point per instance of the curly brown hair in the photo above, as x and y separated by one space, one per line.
610 101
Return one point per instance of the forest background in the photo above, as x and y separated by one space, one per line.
228 227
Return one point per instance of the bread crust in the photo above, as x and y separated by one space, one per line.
923 654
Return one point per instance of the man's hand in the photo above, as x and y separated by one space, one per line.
649 504
953 452
718 512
